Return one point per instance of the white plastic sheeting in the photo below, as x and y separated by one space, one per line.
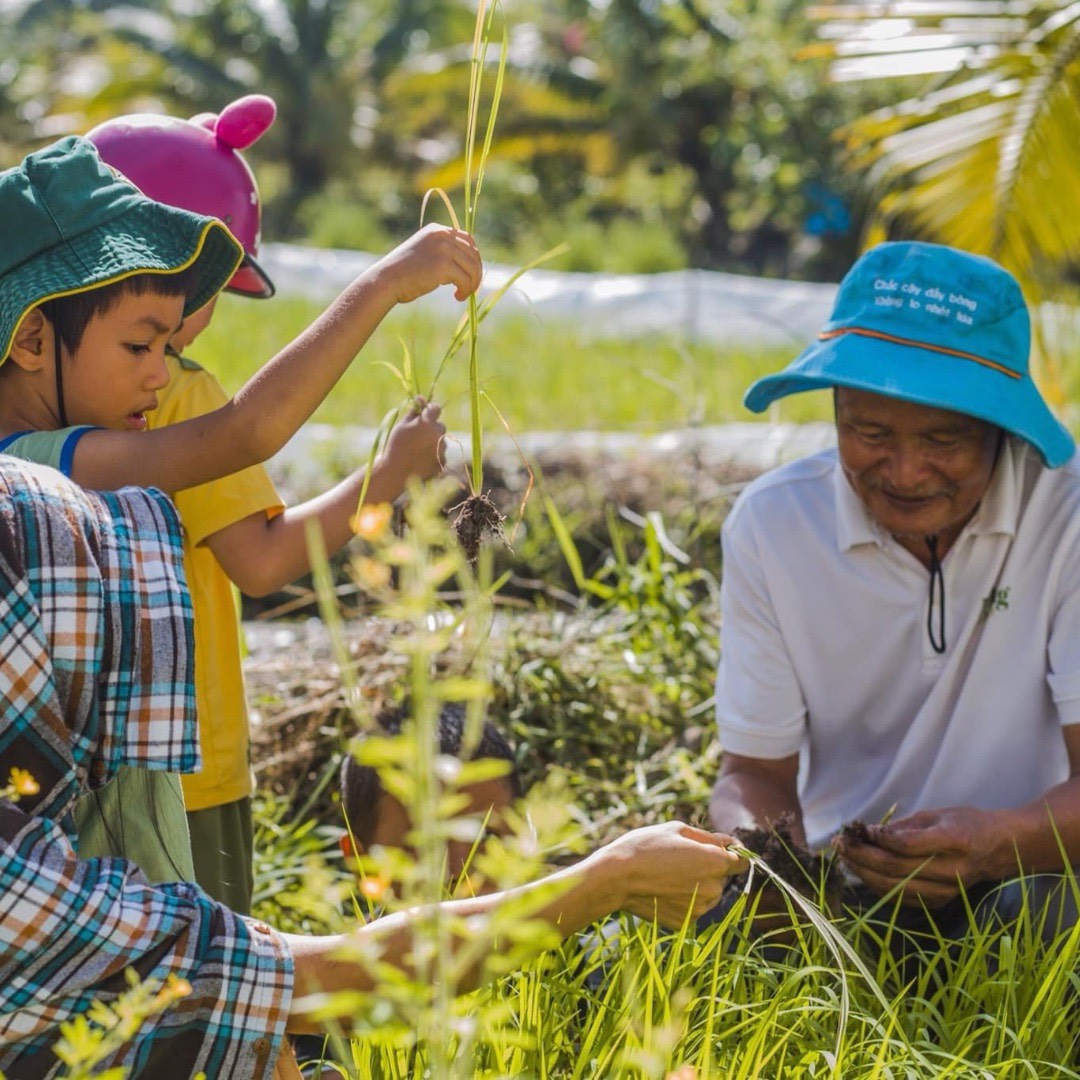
319 453
693 305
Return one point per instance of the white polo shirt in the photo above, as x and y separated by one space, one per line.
825 651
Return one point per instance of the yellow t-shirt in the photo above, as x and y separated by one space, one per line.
219 680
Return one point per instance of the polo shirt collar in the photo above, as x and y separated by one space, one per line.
997 513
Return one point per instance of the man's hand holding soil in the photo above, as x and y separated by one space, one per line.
929 854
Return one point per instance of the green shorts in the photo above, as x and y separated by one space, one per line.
139 816
222 843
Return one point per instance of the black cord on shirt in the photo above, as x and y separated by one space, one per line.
937 582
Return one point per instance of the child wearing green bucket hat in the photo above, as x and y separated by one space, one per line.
901 613
95 279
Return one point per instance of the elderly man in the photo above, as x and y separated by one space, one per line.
901 615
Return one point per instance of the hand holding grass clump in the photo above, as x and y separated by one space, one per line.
929 855
784 865
663 868
412 449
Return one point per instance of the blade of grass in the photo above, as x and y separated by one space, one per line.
524 461
496 97
446 202
385 427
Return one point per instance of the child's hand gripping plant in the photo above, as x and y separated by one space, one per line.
477 517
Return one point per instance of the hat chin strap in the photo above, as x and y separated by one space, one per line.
59 380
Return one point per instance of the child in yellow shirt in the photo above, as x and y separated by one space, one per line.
238 533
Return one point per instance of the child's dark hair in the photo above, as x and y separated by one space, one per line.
69 316
360 784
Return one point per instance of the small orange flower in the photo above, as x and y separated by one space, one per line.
23 783
371 522
373 887
174 989
687 1072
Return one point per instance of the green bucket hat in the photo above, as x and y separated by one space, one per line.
71 224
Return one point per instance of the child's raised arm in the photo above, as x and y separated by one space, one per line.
283 394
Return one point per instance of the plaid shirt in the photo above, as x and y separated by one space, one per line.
96 670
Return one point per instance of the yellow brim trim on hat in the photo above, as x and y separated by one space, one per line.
828 335
209 227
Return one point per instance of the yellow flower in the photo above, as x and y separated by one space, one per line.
371 522
174 989
23 783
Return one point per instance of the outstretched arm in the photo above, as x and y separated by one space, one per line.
282 395
663 871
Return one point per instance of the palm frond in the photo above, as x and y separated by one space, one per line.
986 157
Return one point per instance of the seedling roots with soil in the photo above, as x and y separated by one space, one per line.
477 518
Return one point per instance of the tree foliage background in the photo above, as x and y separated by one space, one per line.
650 134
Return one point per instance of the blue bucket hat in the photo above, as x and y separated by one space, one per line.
932 325
70 224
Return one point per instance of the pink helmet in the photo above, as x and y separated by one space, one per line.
196 165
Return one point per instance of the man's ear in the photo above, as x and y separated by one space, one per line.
28 349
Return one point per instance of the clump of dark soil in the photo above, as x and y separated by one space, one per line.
814 875
478 517
856 832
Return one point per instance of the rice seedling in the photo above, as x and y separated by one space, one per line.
477 516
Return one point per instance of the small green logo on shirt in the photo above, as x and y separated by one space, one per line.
995 600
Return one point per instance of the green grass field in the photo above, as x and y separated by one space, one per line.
540 376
